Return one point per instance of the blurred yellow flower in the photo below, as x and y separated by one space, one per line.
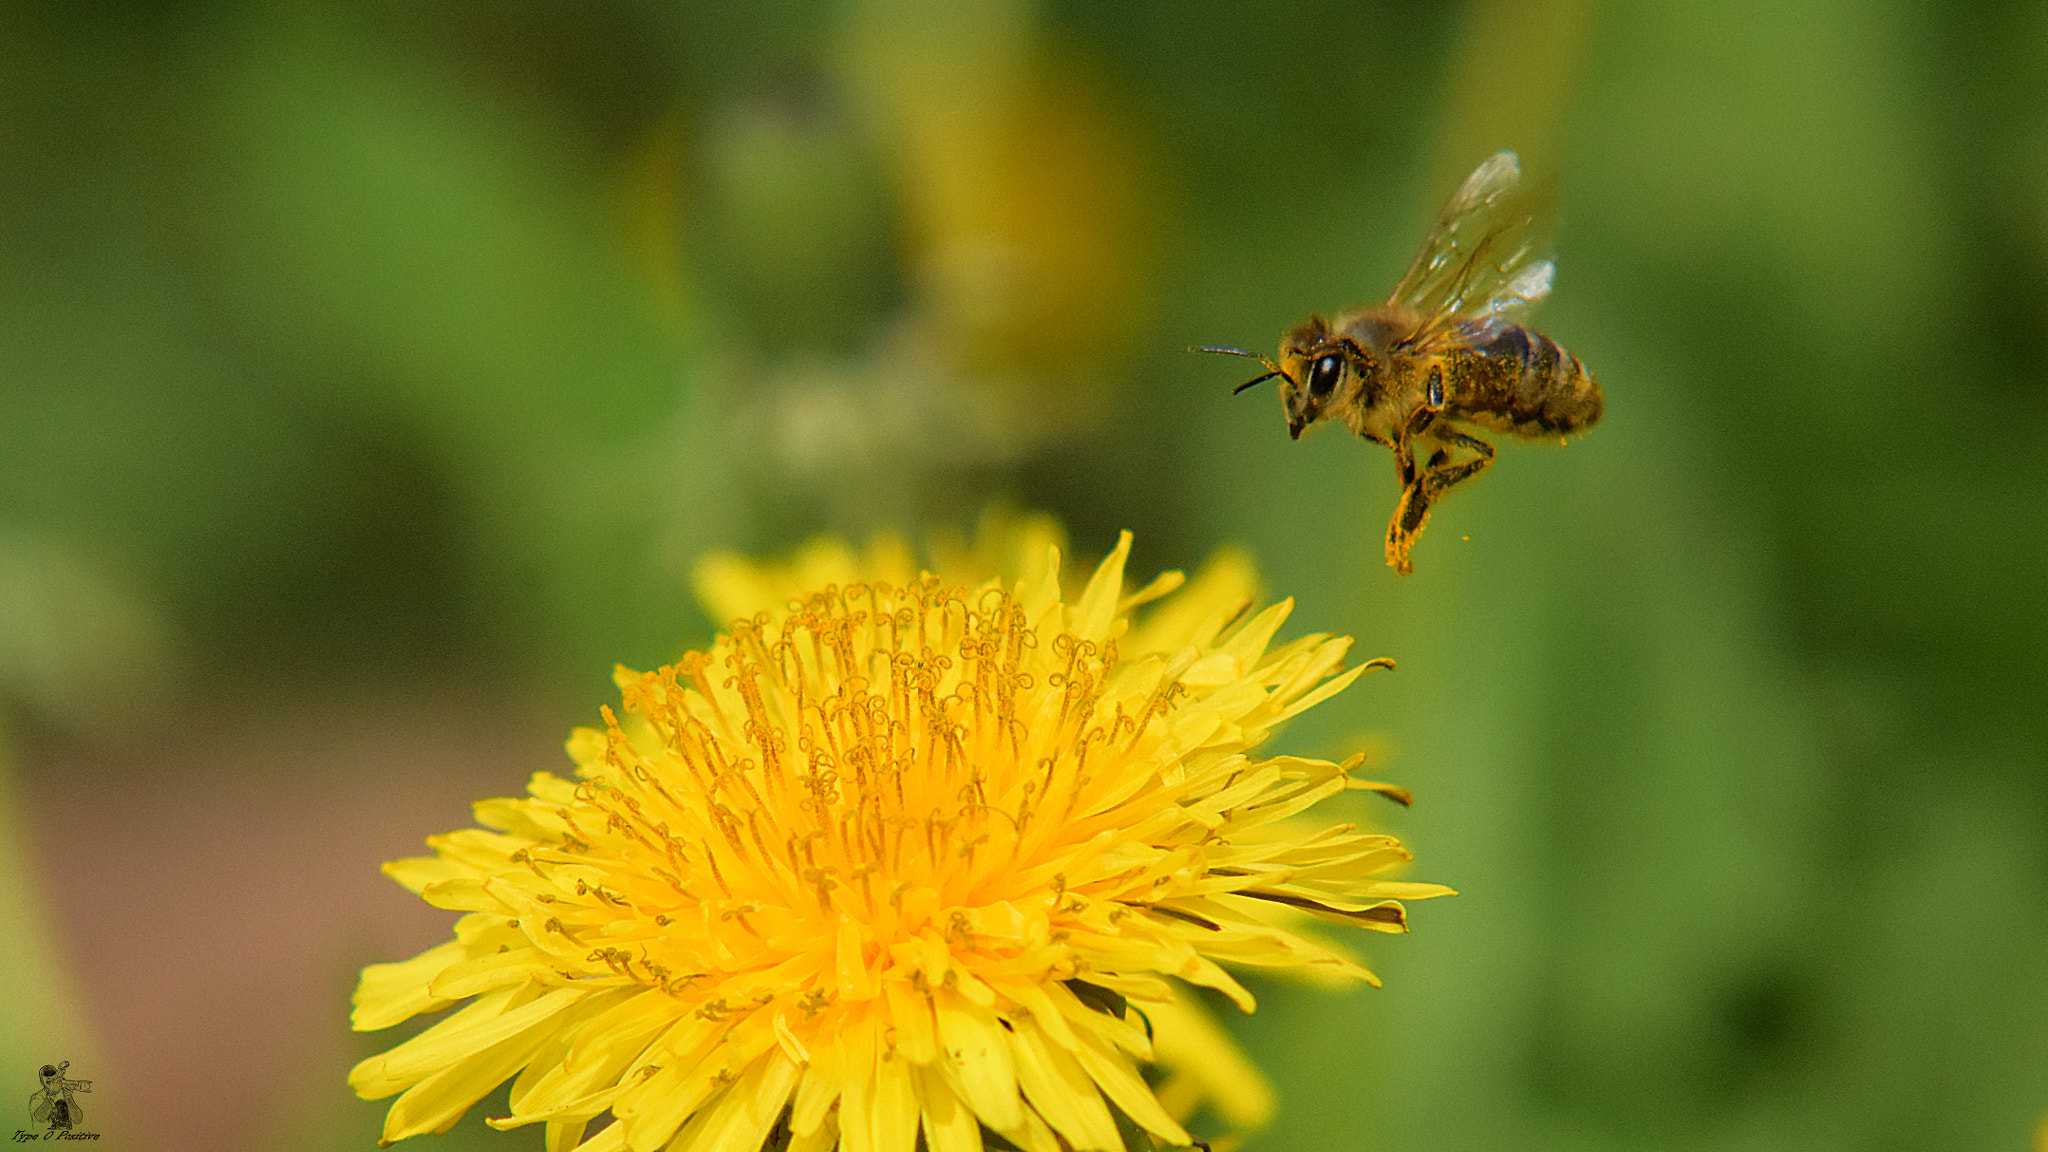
896 855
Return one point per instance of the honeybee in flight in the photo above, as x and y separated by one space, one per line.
1444 350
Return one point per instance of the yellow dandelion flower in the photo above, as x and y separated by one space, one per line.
897 857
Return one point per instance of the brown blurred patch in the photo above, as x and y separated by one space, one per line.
217 889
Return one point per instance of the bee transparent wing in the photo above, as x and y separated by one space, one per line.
1475 263
1508 301
1436 263
1525 291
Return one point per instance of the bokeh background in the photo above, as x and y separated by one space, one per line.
372 373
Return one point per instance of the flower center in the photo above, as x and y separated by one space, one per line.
874 770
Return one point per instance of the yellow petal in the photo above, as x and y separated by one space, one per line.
604 1049
895 1107
949 1124
1061 1091
1191 1044
911 1012
743 1115
489 1021
824 1138
436 1102
565 1136
973 1044
1090 618
816 1092
1112 1071
389 993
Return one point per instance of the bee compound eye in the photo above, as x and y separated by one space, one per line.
1324 374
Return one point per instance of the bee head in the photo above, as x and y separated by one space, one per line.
1316 366
1319 372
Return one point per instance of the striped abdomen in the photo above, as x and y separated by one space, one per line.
1518 380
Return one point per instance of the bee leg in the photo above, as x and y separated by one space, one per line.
1403 445
1441 473
1409 516
1404 464
1422 487
1416 492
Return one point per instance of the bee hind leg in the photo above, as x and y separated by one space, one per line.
1441 473
1422 486
1413 508
1409 515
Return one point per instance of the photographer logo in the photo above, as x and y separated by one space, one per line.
53 1109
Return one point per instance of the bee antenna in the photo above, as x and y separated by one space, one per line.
1272 369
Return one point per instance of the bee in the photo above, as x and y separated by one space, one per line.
1444 351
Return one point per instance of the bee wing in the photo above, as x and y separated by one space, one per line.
1508 301
1475 264
1525 291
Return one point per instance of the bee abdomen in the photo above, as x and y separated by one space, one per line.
1524 382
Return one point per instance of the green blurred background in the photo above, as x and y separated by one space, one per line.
372 373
